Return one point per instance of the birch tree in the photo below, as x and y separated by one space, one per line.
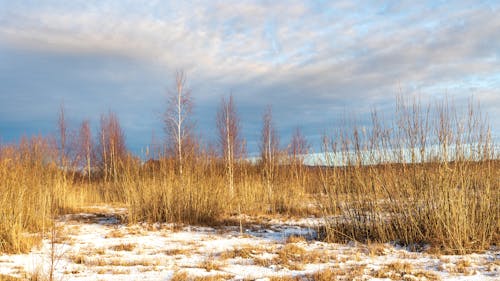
63 134
177 123
228 125
269 149
113 149
297 151
86 147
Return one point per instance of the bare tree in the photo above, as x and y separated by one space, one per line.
177 124
113 150
269 149
62 128
86 147
297 151
299 146
228 125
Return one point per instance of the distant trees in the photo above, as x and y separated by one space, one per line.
231 145
178 126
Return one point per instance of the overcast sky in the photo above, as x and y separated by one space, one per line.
313 61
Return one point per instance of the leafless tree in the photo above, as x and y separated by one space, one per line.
228 125
269 149
62 128
112 150
86 147
297 151
177 124
299 146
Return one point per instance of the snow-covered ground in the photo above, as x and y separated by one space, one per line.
97 246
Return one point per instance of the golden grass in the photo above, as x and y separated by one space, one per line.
243 251
295 239
404 271
443 190
115 233
183 276
123 247
211 264
9 278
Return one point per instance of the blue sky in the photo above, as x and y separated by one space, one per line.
313 61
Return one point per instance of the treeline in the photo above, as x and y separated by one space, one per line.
103 156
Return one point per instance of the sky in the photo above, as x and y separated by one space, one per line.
314 62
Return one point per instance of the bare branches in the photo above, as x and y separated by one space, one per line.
269 150
62 127
299 147
86 147
112 150
228 125
176 119
269 139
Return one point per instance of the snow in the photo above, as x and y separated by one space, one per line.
97 246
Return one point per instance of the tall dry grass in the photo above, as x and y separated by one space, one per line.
157 192
33 190
429 177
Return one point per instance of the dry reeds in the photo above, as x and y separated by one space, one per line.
430 177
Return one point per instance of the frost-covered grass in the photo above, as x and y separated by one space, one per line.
98 246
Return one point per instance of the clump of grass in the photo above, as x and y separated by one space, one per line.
183 276
291 253
325 275
404 271
295 239
115 233
243 251
211 264
9 278
123 247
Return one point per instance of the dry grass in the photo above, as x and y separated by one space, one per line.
284 278
179 251
295 239
462 266
123 247
32 193
183 276
9 278
291 253
376 249
404 271
115 233
243 251
325 275
211 264
329 274
442 190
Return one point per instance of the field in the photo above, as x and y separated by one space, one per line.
416 199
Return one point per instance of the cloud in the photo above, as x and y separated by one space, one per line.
311 60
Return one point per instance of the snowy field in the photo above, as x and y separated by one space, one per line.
95 245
